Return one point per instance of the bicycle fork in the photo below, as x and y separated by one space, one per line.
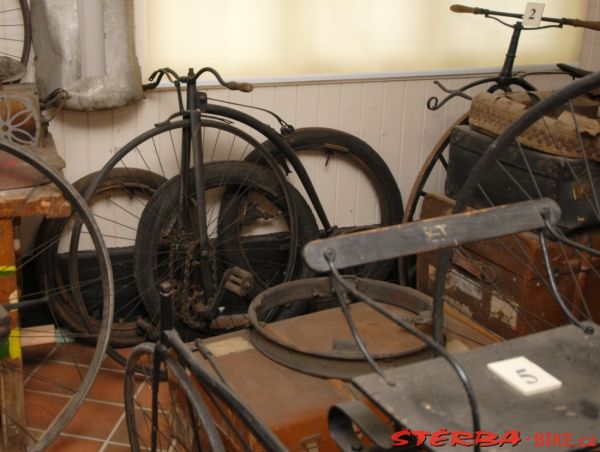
198 160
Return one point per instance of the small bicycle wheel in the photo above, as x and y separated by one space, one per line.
357 188
182 422
549 151
126 190
38 352
246 210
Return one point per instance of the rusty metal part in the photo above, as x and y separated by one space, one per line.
329 350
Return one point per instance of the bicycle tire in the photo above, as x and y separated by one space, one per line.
370 169
157 150
159 224
132 183
574 294
229 411
179 421
79 207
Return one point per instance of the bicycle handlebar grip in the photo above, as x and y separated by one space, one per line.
244 87
585 24
463 9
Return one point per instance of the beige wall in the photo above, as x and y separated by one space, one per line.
389 114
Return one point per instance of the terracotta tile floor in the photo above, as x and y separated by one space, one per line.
99 425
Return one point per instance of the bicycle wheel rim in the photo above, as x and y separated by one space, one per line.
494 157
135 185
15 20
166 249
170 410
79 206
364 178
158 150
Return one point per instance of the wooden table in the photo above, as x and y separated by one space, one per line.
47 201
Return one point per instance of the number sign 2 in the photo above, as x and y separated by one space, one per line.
533 14
525 376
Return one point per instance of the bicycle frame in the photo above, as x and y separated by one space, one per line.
197 101
192 153
191 150
506 78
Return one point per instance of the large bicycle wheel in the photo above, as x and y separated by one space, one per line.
246 211
182 423
52 372
126 191
435 166
159 151
356 186
549 151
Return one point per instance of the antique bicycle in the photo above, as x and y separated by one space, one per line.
172 398
249 204
507 80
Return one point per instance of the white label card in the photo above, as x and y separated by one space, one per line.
533 14
525 376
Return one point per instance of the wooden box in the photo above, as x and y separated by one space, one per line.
556 177
502 282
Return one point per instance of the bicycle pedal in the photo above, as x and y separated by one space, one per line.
239 281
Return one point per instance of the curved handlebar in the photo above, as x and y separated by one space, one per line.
175 78
560 22
464 9
244 87
583 24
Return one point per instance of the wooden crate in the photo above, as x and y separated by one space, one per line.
501 283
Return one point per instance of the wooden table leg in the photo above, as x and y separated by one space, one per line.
12 413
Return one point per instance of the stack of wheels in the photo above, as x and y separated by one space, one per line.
250 227
256 219
45 339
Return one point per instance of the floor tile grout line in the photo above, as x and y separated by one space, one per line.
121 369
72 435
36 368
67 396
112 432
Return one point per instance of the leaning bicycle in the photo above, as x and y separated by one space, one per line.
250 207
435 166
